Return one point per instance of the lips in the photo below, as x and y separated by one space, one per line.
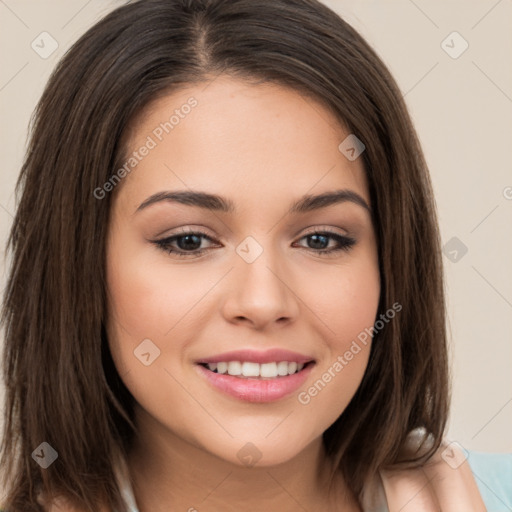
257 388
254 356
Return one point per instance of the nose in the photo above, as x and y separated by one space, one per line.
261 294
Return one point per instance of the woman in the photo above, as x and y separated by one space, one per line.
227 288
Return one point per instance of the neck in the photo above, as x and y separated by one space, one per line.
168 471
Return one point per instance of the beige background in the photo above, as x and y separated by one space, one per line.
462 108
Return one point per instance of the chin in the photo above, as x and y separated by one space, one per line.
259 453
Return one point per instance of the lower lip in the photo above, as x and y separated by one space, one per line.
254 389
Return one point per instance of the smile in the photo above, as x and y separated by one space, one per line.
249 369
253 382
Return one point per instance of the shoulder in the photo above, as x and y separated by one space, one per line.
444 482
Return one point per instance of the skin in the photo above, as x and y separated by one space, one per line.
263 147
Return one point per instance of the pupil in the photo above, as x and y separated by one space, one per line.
191 241
319 241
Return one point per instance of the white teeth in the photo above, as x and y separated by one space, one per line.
222 367
292 367
268 370
249 369
235 368
282 368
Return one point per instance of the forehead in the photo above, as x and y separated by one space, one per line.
239 139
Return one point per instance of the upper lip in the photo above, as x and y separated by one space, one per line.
255 356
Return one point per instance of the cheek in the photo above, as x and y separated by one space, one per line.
137 302
357 298
327 396
148 299
346 301
344 298
152 309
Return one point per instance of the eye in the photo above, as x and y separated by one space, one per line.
188 243
318 241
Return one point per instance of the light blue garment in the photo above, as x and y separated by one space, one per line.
493 475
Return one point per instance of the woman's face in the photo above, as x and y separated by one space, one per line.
263 283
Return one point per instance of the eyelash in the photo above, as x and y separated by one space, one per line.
345 243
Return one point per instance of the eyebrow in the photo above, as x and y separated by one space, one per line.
218 203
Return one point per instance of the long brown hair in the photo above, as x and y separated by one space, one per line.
61 384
